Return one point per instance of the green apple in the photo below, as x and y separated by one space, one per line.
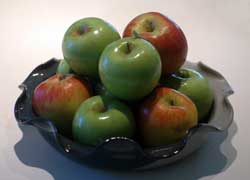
100 118
195 86
130 68
63 67
84 42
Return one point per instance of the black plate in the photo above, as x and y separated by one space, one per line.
119 152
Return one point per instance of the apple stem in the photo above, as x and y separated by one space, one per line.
100 109
83 29
171 102
136 34
129 47
150 26
61 77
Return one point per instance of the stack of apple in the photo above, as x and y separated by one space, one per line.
107 86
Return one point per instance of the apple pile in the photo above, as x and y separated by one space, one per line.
135 86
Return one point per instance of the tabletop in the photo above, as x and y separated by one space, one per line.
218 34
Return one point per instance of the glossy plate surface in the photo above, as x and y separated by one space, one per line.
119 152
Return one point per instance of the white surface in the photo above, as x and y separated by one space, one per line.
31 32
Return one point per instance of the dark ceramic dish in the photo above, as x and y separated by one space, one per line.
123 153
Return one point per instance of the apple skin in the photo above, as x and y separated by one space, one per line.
58 98
165 116
195 86
84 42
130 68
99 118
165 35
63 68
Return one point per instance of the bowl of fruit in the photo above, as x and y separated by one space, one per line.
130 103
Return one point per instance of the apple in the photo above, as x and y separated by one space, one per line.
84 42
164 34
195 86
99 118
130 68
165 117
63 68
58 98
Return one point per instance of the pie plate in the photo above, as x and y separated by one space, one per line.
120 152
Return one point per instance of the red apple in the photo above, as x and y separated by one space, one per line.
165 116
58 98
164 34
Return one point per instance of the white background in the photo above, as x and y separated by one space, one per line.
31 32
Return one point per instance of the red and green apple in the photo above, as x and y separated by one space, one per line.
165 117
58 98
164 34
